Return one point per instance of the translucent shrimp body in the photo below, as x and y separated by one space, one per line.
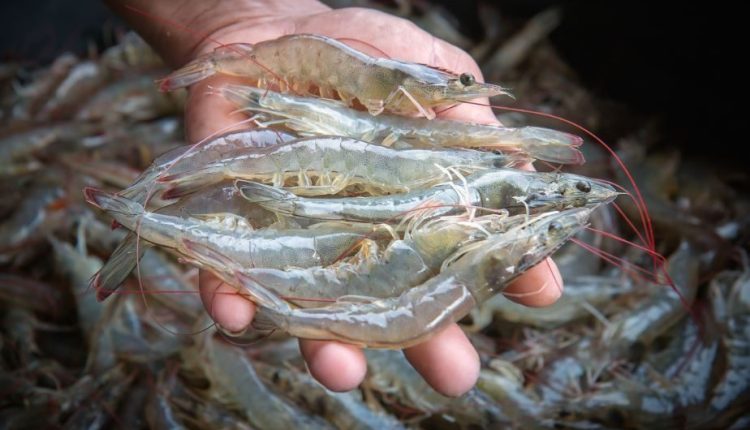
398 322
307 115
515 190
327 165
234 237
302 61
192 158
402 265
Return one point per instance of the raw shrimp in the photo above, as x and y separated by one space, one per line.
664 308
503 381
581 293
232 377
514 190
732 389
215 201
328 117
477 274
344 410
234 237
300 61
404 263
390 374
225 145
79 268
129 100
337 163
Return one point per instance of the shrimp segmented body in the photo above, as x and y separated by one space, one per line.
515 190
404 263
233 236
479 273
307 115
213 202
336 163
301 61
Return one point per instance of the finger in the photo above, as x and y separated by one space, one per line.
448 361
230 310
539 286
338 366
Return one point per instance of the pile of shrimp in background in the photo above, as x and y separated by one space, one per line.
637 339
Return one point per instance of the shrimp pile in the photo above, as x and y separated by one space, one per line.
348 210
408 219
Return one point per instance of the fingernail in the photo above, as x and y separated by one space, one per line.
230 333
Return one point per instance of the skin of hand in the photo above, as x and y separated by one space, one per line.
448 361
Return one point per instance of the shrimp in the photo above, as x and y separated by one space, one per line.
300 61
328 117
514 190
391 374
479 272
503 381
79 268
344 410
732 303
232 376
215 201
234 237
404 263
230 143
581 293
337 163
129 100
664 308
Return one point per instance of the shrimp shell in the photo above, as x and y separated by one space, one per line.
319 116
337 163
301 61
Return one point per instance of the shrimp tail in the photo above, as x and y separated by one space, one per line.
271 198
190 181
552 146
195 71
119 207
118 267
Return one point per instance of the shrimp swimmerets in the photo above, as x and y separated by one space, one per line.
301 61
336 163
517 191
313 116
479 273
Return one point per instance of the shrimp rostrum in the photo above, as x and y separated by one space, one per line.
300 62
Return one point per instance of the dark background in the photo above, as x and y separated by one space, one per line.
679 61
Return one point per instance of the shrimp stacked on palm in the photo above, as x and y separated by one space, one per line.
374 227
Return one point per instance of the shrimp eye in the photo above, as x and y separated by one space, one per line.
466 79
554 227
583 186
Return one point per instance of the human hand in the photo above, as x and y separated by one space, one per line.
447 361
